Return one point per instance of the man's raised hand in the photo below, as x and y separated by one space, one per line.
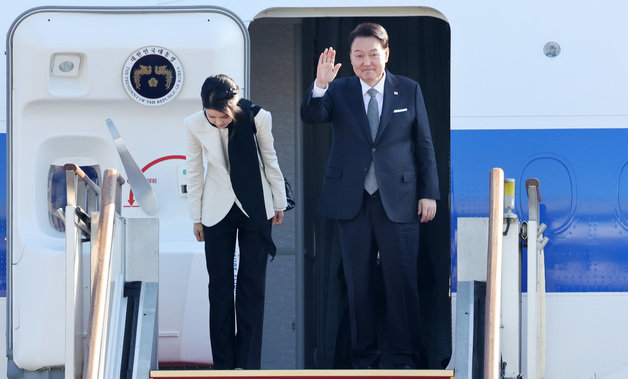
327 69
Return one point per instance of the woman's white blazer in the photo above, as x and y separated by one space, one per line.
210 194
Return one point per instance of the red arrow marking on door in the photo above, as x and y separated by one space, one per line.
149 165
131 201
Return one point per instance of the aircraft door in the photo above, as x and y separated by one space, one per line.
70 69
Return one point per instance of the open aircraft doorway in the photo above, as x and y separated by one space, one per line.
285 45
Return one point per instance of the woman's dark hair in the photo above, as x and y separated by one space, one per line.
220 92
369 29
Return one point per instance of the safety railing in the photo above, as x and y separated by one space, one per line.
81 199
80 189
489 341
97 321
532 233
494 276
535 334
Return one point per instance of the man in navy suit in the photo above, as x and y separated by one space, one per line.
380 182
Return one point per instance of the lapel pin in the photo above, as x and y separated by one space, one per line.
395 93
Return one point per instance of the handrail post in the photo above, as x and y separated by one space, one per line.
535 337
71 181
511 287
494 276
75 193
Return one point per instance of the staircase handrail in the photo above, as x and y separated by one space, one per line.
110 205
494 276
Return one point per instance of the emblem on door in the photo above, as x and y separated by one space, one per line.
152 76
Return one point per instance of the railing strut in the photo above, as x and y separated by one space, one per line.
494 276
535 338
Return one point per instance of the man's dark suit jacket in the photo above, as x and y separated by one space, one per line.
405 164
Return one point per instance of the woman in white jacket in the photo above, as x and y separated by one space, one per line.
239 192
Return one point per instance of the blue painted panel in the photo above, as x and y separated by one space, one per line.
3 217
584 188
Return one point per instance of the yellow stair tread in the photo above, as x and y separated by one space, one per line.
310 374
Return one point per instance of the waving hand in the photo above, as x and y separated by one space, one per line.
326 70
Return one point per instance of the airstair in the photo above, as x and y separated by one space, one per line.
110 293
500 330
116 289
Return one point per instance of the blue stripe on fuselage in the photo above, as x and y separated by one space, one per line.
3 217
583 178
584 185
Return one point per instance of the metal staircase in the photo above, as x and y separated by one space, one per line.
122 329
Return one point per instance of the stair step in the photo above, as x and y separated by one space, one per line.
309 374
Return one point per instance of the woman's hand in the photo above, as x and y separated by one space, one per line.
198 232
277 218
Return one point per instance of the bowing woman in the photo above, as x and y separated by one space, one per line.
239 193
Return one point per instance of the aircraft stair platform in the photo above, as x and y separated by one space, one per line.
121 276
308 374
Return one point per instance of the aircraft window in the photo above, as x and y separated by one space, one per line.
57 193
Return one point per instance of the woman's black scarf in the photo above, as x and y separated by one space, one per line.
245 172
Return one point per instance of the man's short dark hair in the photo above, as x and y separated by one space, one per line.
369 29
